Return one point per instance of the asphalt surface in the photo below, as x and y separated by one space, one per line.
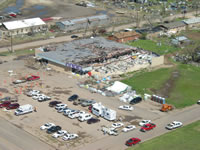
14 138
186 116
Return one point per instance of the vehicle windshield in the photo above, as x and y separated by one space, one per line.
130 140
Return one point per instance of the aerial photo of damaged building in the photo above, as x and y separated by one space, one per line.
98 54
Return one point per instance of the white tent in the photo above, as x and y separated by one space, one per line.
118 87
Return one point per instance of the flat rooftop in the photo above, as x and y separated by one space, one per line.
81 50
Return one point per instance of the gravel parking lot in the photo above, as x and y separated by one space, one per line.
60 86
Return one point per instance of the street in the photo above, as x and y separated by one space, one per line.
14 138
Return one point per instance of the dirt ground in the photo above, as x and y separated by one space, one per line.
60 86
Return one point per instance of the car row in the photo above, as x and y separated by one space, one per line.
37 95
8 105
147 125
31 78
57 131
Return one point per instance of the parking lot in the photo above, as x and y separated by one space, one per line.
60 86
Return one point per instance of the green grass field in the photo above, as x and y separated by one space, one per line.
18 52
185 90
185 138
152 46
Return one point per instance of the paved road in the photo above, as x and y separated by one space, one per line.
14 138
68 38
186 116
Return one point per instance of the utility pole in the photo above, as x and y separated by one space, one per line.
11 43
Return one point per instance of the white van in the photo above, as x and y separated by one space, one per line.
84 117
24 109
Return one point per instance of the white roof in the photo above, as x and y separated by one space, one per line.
11 25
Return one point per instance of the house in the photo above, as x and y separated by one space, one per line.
22 27
173 27
124 37
180 40
192 22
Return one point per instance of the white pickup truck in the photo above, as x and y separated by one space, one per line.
109 131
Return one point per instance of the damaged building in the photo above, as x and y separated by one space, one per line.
95 55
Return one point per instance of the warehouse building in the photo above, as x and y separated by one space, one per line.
83 23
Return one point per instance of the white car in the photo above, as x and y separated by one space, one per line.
60 106
43 98
84 117
143 122
68 111
129 128
33 93
59 133
60 110
126 107
174 124
47 126
73 115
69 137
117 125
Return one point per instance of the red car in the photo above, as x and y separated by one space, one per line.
13 14
147 127
133 141
12 106
32 78
5 104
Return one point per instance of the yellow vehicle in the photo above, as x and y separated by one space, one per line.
166 107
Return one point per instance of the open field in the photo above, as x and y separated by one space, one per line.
154 47
179 84
185 138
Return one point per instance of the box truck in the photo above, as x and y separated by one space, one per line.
24 109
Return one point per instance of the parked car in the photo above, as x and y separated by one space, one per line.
143 122
129 128
59 133
126 107
47 126
58 106
12 14
69 137
174 124
92 120
148 127
117 125
53 129
43 98
79 101
62 109
109 131
54 103
19 81
73 97
8 98
73 115
136 100
87 103
32 93
198 102
33 78
133 141
68 111
84 117
5 104
74 36
12 106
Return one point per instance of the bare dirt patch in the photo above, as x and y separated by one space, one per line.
168 86
194 35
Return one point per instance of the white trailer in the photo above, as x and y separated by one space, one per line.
24 109
99 110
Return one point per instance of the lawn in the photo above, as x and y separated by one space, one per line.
184 91
185 138
154 47
18 52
